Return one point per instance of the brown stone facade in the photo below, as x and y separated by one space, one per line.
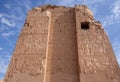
62 44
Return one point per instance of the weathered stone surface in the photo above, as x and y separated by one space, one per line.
62 44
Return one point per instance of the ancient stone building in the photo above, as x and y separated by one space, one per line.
62 44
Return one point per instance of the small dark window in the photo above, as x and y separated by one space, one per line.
85 25
27 24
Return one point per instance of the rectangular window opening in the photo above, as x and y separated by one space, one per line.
85 25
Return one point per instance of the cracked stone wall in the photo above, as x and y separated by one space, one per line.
62 44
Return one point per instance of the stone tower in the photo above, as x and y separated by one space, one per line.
62 44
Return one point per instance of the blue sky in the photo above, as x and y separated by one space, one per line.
13 14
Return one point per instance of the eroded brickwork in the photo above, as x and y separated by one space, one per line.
62 44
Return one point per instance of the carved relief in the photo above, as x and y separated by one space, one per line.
29 65
90 65
93 65
91 48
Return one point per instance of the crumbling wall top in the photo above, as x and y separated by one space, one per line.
84 8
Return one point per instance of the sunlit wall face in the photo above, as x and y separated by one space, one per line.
13 14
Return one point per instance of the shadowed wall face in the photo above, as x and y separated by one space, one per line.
62 61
